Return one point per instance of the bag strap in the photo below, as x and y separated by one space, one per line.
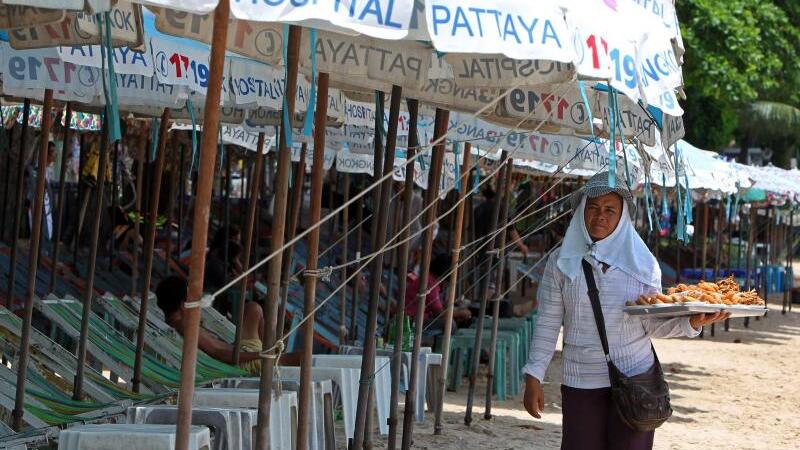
594 297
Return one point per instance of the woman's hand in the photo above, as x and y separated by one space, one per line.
698 321
534 397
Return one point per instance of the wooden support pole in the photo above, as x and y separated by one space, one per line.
205 178
181 200
173 186
9 137
751 232
255 189
138 205
36 230
310 286
280 190
505 194
788 276
392 259
455 260
83 341
18 209
704 252
113 203
355 306
380 218
720 226
767 255
432 197
408 195
486 265
62 189
295 208
149 246
345 256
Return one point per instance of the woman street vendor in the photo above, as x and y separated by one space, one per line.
602 233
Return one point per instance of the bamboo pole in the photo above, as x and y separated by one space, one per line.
345 253
384 163
250 221
408 195
296 206
506 194
182 199
354 304
149 246
280 190
432 197
208 156
138 206
9 135
310 286
487 263
62 189
18 210
455 260
113 203
83 342
226 212
392 259
36 230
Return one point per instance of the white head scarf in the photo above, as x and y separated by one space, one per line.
623 249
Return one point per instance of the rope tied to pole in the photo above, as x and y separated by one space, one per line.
204 302
274 353
324 273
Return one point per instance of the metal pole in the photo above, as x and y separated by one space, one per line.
751 225
18 210
704 252
378 232
250 221
317 175
83 342
36 230
345 253
403 250
487 263
208 156
432 196
505 193
149 244
280 190
138 206
788 278
452 287
296 196
62 189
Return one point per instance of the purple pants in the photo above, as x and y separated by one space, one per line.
591 423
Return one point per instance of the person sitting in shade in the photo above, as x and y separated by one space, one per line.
171 295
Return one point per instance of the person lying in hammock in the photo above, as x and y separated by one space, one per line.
171 295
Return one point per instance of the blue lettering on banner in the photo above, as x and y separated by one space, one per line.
460 23
662 64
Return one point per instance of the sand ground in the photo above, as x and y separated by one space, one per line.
737 390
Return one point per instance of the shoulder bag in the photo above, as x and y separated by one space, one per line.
642 401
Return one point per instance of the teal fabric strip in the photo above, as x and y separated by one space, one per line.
612 151
689 217
112 102
664 205
456 151
287 127
647 205
190 106
308 125
154 126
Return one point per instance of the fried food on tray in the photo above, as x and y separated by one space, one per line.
725 291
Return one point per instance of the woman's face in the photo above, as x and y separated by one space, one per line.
601 215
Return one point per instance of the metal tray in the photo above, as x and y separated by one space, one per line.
688 310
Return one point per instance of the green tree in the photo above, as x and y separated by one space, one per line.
737 52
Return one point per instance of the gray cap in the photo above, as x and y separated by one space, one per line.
598 185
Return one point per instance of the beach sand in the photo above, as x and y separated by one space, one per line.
737 390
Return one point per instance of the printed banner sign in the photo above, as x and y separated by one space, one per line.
43 69
557 104
510 27
257 40
385 19
125 59
497 71
347 162
13 16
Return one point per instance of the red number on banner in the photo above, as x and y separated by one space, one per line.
49 63
592 43
175 60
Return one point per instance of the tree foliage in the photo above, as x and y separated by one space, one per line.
737 52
